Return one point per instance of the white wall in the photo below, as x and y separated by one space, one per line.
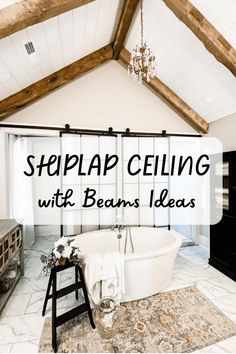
102 98
225 130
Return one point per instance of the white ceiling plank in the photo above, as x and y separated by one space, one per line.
230 35
6 92
112 20
103 33
82 44
211 9
9 84
185 47
37 36
119 4
223 103
221 112
152 12
164 47
52 34
216 94
197 91
208 79
10 58
229 13
133 34
186 75
222 14
91 24
217 102
67 36
5 3
134 31
161 27
19 39
79 27
3 93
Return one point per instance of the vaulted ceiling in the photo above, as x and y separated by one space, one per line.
184 65
59 41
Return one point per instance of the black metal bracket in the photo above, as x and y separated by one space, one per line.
67 127
163 133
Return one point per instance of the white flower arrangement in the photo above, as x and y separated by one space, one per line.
62 251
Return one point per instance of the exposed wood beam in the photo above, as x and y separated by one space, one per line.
29 12
175 101
42 87
214 42
126 17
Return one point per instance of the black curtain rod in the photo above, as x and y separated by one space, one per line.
109 132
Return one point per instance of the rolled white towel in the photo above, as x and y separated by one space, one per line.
104 275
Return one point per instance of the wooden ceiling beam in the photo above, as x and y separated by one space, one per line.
126 17
172 99
214 42
26 13
42 87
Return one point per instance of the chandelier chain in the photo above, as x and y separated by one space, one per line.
141 16
143 62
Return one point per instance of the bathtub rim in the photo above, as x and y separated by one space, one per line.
162 251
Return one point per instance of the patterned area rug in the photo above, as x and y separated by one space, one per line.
177 321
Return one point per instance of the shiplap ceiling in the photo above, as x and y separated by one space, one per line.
58 42
5 3
183 62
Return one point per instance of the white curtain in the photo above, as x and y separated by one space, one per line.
21 187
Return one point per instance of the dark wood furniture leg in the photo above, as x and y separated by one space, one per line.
86 298
76 282
56 294
47 295
54 310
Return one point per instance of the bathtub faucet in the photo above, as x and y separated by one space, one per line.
121 224
118 228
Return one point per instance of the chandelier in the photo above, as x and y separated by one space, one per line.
142 64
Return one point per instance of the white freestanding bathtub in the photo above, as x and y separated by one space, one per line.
149 269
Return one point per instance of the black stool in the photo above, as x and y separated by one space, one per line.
56 294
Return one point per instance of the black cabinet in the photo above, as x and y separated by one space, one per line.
223 234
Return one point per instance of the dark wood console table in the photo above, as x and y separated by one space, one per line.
11 246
